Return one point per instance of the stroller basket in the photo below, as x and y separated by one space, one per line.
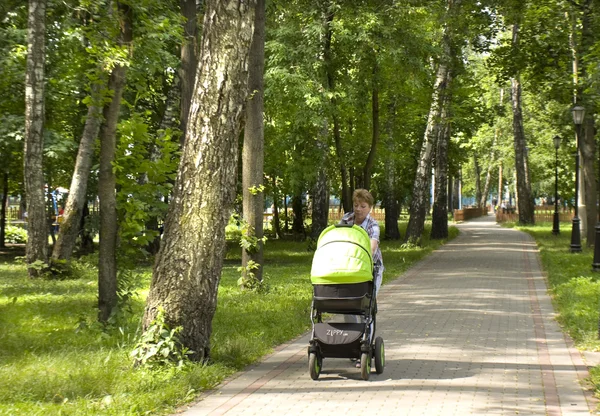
342 298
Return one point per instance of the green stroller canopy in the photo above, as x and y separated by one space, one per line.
343 256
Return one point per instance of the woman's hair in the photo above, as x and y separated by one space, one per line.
362 195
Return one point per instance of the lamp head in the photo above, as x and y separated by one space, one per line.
578 114
556 140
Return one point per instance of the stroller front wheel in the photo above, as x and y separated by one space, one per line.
379 355
365 365
314 365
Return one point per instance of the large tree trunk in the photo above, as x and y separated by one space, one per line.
253 150
420 194
188 267
439 216
69 226
524 197
107 267
37 229
187 72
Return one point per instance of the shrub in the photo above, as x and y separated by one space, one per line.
15 235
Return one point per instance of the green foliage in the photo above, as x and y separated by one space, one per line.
145 170
159 345
15 235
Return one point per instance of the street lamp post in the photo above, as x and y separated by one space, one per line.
556 224
578 116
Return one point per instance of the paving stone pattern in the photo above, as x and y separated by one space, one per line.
468 331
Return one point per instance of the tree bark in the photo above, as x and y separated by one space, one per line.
390 195
298 223
524 197
189 59
478 192
69 227
588 151
375 135
420 194
107 267
3 209
37 230
320 203
587 143
439 216
188 267
253 199
320 191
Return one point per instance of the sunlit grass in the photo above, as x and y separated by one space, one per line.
575 288
55 359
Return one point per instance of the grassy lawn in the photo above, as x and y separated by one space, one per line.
55 359
575 288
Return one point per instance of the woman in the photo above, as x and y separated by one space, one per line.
363 203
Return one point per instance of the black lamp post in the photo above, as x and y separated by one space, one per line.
556 226
578 116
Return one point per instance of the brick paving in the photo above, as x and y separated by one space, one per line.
468 331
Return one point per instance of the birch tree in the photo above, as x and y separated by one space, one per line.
188 266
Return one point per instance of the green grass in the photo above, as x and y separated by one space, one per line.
55 359
575 288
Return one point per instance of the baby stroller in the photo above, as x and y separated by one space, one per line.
342 278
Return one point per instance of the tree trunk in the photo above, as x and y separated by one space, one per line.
320 191
478 192
253 150
188 267
420 194
524 198
375 136
298 223
500 183
276 224
187 72
587 145
69 227
588 151
320 205
107 267
3 209
390 197
37 230
439 216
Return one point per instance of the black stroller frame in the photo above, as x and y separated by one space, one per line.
345 339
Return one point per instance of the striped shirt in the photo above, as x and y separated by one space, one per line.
371 226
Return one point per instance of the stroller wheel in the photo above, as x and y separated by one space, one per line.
314 365
379 355
365 365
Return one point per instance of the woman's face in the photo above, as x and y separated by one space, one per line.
361 210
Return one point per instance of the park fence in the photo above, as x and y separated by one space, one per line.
542 213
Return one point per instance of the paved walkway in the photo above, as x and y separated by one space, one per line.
468 331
